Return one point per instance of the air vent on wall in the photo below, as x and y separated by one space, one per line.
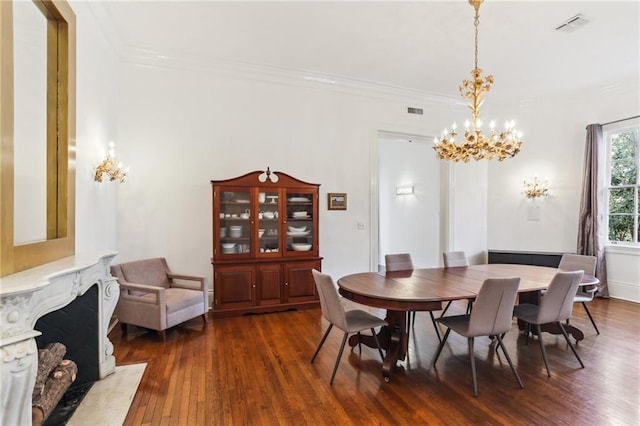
412 110
572 24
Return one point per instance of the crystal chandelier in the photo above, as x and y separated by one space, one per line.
476 145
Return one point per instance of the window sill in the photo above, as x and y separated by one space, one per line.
630 249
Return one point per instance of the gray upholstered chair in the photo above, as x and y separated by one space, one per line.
455 259
150 296
491 316
350 322
402 262
584 294
555 306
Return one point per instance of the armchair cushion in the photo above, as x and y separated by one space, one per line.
149 271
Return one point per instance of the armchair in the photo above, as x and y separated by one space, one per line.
150 296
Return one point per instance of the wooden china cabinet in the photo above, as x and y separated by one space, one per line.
265 244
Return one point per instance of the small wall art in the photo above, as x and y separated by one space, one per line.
337 201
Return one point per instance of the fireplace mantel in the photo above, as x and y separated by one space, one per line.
28 295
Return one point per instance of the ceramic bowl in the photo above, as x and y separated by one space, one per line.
299 214
301 247
297 228
228 245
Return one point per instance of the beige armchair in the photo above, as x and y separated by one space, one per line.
151 298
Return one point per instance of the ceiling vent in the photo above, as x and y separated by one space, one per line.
572 24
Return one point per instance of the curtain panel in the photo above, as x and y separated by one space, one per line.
590 221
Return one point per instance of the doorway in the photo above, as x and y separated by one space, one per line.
409 222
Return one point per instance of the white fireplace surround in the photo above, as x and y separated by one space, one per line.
28 295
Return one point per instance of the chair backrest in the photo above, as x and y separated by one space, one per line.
454 258
493 309
332 309
575 262
398 262
148 271
557 301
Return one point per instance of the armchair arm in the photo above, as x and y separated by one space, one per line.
201 280
143 288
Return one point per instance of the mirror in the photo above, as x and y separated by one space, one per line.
37 131
29 124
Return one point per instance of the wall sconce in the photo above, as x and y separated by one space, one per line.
268 175
109 166
404 190
536 189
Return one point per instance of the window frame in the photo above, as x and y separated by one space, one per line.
607 132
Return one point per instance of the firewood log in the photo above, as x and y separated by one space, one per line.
48 359
55 386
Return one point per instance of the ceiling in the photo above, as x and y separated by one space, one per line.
421 45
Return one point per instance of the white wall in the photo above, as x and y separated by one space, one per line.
97 101
182 128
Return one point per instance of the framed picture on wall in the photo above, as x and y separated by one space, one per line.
337 201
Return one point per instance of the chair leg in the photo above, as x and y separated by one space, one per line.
204 318
566 336
506 354
335 367
409 323
326 333
469 306
472 359
542 349
590 317
163 334
123 327
375 337
359 344
441 345
435 326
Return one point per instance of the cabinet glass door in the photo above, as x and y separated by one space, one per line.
299 221
268 211
235 222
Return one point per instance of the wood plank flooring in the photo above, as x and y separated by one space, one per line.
255 370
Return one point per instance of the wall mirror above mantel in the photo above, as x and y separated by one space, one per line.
37 130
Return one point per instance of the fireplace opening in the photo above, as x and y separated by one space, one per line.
76 326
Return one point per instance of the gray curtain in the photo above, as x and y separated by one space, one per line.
590 222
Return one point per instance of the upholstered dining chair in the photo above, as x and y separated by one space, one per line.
150 296
353 321
455 259
402 262
584 294
491 316
555 306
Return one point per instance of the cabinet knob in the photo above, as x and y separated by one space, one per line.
286 284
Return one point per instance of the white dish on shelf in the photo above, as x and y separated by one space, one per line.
228 245
298 234
297 228
242 201
299 200
300 247
299 214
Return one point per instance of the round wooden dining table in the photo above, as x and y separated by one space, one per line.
426 290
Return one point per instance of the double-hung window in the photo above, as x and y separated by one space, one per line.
623 182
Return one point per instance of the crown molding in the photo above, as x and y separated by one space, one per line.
282 75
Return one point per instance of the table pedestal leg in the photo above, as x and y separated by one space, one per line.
393 340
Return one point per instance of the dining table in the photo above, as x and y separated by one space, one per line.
426 289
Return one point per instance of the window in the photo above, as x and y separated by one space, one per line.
623 182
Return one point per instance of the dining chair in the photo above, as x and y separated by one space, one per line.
402 262
555 306
491 316
454 259
353 321
584 294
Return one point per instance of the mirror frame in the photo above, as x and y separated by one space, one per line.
61 128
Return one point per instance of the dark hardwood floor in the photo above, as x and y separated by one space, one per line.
255 370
